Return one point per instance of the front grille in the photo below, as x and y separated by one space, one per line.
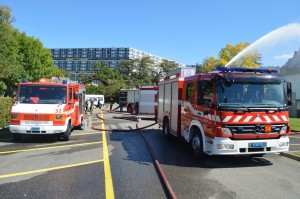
252 129
35 131
260 149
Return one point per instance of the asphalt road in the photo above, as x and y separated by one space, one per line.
118 164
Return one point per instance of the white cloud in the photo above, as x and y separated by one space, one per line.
284 56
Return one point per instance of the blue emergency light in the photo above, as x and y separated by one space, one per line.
64 81
24 80
237 69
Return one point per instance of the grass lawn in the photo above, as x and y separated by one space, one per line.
295 153
295 124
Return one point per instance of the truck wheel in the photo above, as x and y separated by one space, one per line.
197 143
16 136
257 155
166 128
66 134
80 126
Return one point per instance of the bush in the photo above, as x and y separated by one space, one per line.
5 105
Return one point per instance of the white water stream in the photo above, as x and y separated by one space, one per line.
279 44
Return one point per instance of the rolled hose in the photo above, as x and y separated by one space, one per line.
156 162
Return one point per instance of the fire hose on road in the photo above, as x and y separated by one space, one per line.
156 162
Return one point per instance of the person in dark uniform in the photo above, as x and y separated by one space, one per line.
111 103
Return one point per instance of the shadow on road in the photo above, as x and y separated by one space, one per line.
172 151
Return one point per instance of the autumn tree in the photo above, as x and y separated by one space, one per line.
250 60
209 64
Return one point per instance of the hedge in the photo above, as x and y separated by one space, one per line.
5 105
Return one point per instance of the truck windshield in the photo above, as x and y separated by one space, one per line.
42 94
251 95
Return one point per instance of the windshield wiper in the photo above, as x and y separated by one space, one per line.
235 107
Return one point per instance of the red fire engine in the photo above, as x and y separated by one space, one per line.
231 111
50 106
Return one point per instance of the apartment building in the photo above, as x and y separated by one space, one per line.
75 60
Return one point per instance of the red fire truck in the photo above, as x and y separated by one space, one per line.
50 106
231 111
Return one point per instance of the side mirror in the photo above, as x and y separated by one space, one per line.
76 95
289 93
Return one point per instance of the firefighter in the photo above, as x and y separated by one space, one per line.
111 103
91 105
87 105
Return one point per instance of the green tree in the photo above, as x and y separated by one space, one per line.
21 56
162 69
126 68
35 59
9 67
142 72
112 78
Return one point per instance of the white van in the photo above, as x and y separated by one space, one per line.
98 100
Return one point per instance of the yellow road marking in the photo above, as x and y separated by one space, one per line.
50 147
49 169
294 137
109 189
86 133
295 144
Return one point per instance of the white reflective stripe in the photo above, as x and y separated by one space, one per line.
276 118
284 118
218 119
213 117
248 118
209 116
267 118
258 119
35 122
227 118
69 112
237 118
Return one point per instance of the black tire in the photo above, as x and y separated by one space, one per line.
16 136
80 126
257 155
166 128
197 143
66 134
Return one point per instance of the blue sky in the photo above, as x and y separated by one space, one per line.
184 31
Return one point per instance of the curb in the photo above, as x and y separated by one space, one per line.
289 155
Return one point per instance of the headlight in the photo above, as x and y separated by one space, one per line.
283 130
225 146
281 144
226 131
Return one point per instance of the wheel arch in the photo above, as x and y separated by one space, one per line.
193 126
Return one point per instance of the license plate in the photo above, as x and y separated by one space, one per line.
35 129
257 144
